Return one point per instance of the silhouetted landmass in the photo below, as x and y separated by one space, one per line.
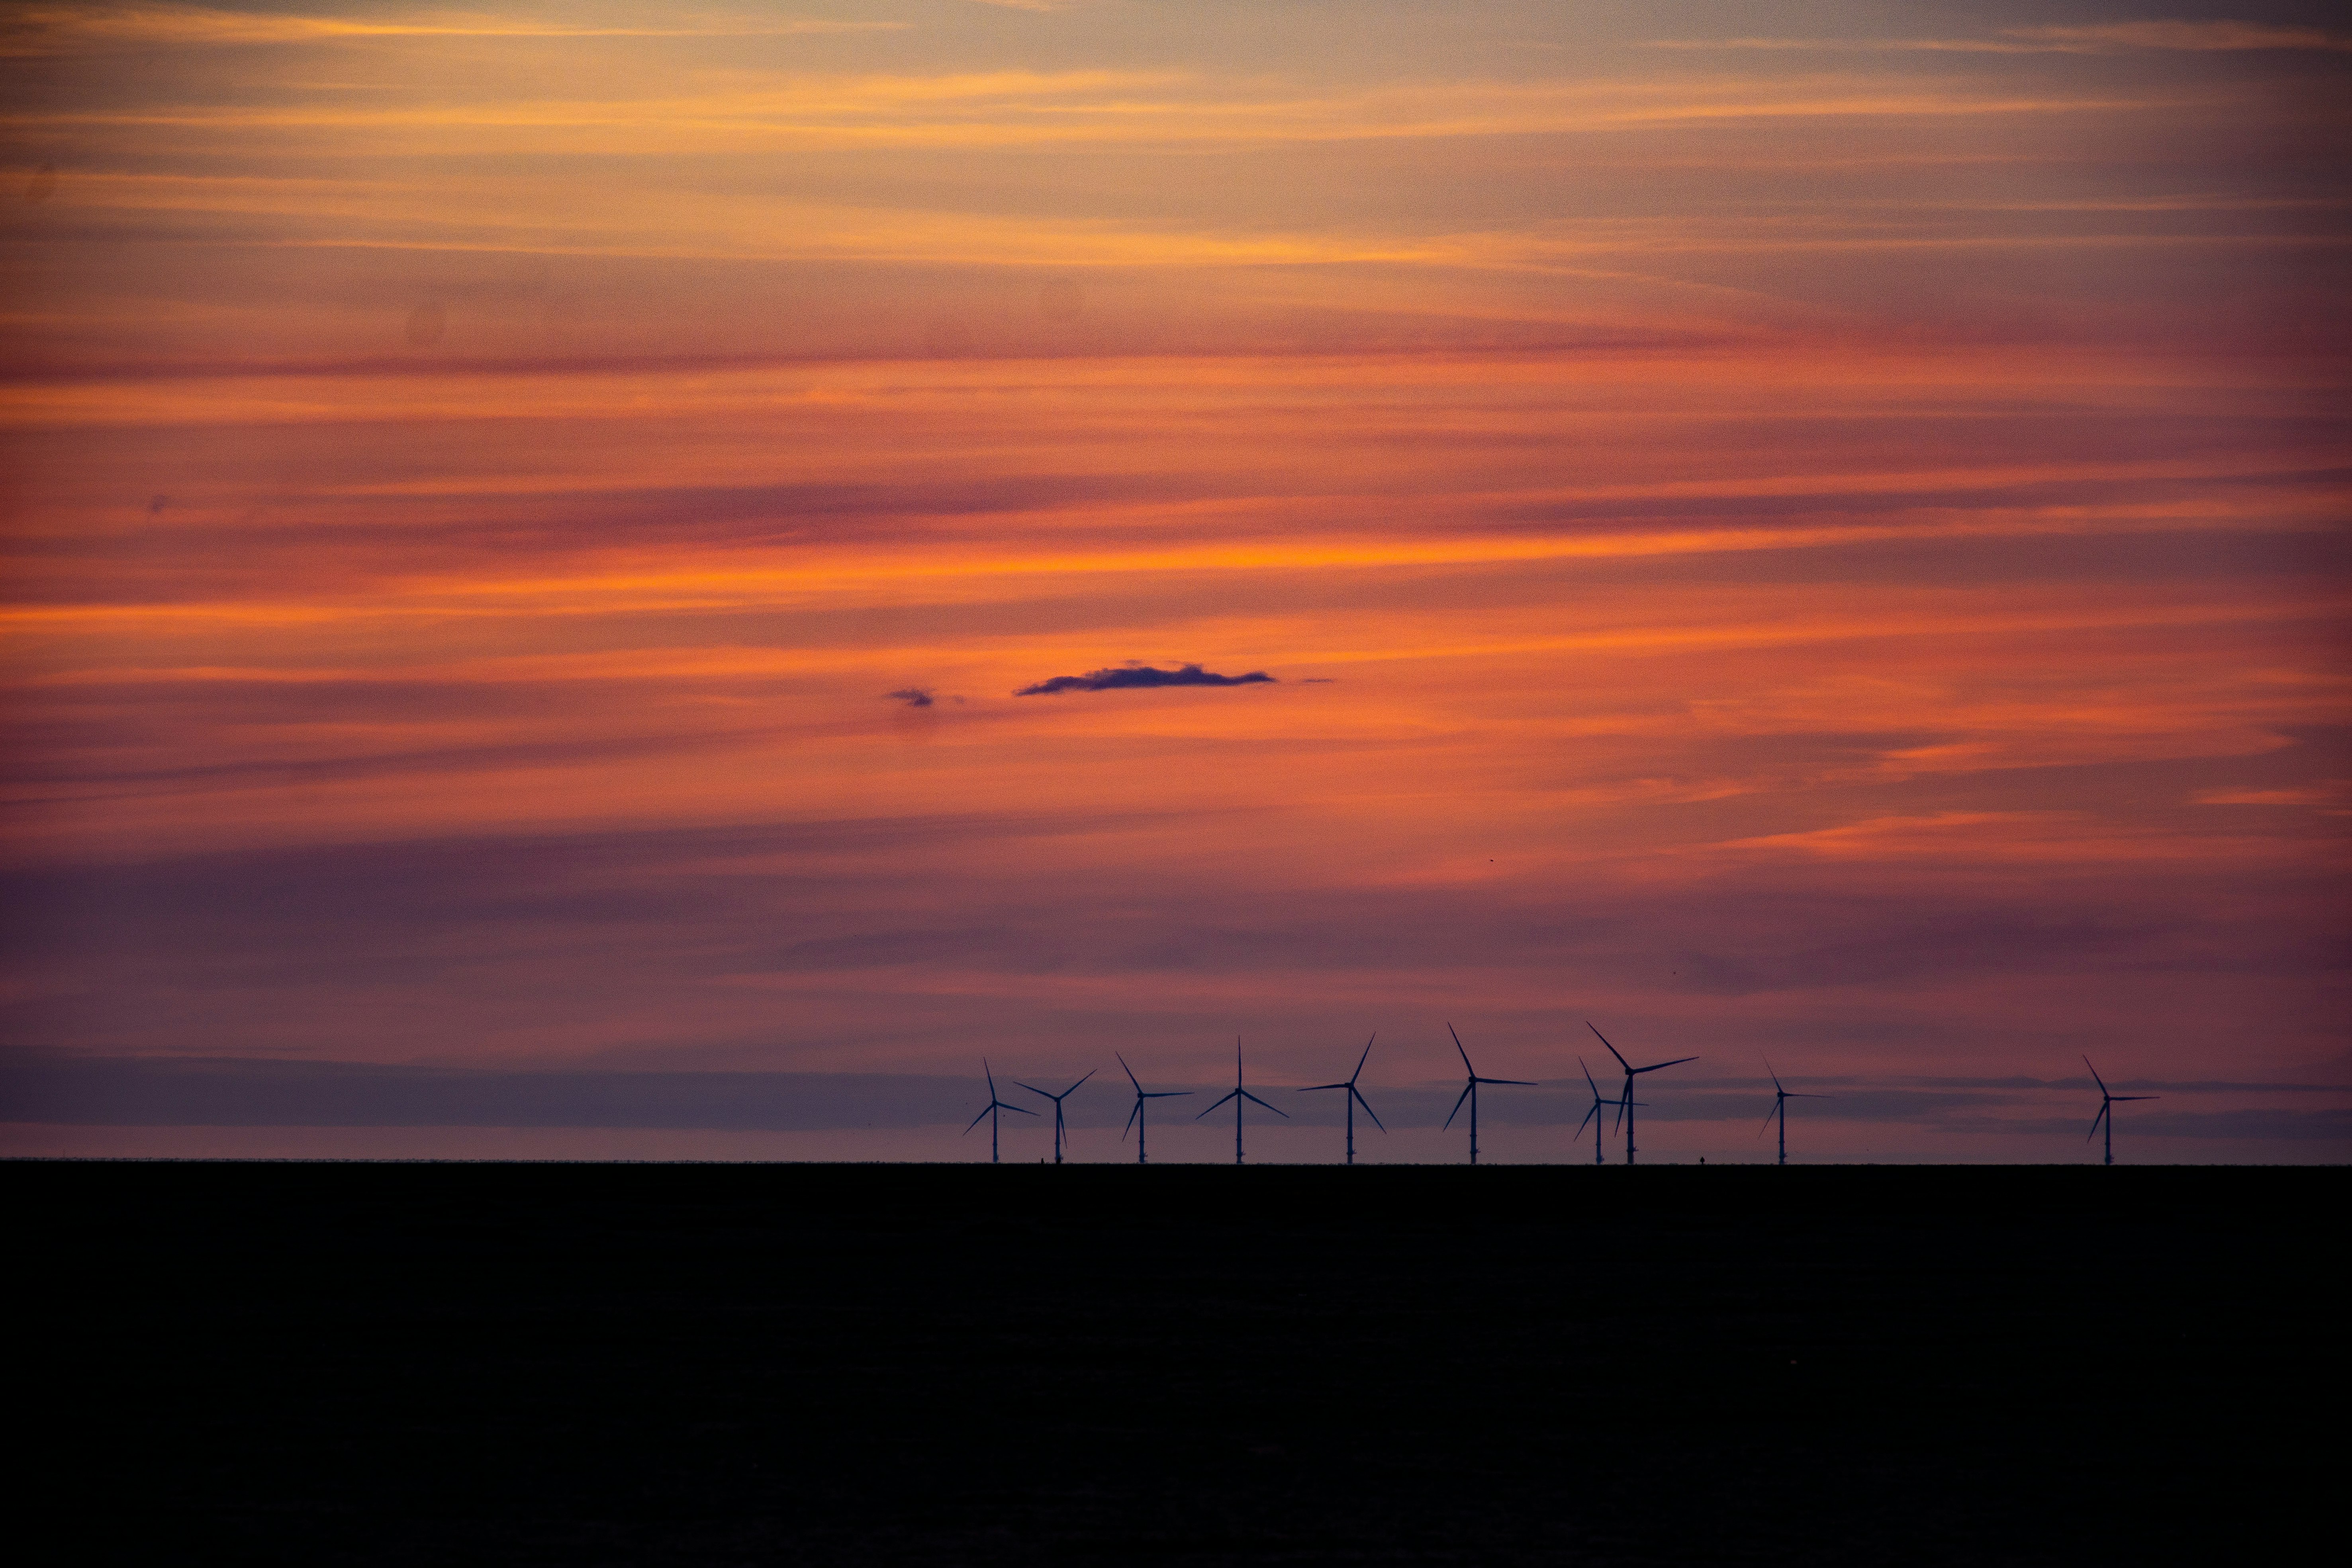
779 1364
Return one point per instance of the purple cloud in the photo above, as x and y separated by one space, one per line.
1134 675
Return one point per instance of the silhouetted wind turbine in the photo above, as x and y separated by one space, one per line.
1594 1115
1780 1098
2106 1113
994 1105
1355 1097
1057 1100
1135 1117
1625 1106
1470 1093
1238 1095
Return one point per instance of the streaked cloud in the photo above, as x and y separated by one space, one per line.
53 30
2193 37
2196 37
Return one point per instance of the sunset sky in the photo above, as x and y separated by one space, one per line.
1806 530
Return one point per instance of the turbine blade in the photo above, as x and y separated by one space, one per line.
1457 1105
1174 1094
1792 1094
1311 1088
2095 1076
1017 1110
1466 1055
1767 1121
1590 1114
1769 1069
1131 1118
1254 1100
978 1120
1365 1057
1129 1071
1587 1078
2093 1132
1218 1106
1032 1088
1612 1050
1521 1082
1367 1109
2121 1097
1655 1066
1074 1088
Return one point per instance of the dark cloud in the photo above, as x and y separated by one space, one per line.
1129 676
912 696
241 1092
567 944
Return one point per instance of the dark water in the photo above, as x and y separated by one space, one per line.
955 1364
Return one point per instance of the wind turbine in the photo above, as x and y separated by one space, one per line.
1057 1100
1780 1098
1240 1094
1135 1117
1594 1115
1354 1098
1470 1093
994 1105
2106 1112
1625 1106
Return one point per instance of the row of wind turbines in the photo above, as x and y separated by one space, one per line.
1240 1096
1624 1103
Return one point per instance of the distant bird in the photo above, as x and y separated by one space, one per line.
1354 1098
2107 1102
1595 1115
1238 1095
1470 1093
1626 1106
1780 1098
994 1105
1135 1117
1057 1100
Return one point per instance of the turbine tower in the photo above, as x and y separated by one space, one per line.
1057 1100
1135 1117
1780 1098
1354 1098
1470 1093
2106 1110
1625 1106
1238 1095
994 1105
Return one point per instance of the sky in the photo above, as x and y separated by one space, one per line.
617 582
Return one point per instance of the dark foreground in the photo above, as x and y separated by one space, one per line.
764 1364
